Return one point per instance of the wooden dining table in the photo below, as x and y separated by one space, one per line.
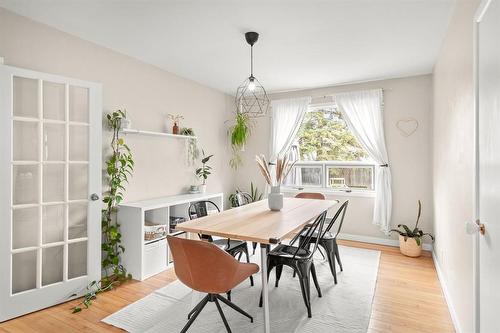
255 222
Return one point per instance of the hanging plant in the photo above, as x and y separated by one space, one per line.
239 134
193 152
119 167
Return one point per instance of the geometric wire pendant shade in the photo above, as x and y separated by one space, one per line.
253 103
251 97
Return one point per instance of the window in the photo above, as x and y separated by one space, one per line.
328 155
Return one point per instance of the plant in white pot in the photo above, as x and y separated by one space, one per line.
410 241
283 168
204 171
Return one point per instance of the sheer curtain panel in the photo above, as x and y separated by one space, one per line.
363 113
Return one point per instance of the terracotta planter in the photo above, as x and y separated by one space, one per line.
409 247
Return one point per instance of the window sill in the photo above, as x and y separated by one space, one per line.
330 192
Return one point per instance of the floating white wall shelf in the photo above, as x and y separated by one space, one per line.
135 131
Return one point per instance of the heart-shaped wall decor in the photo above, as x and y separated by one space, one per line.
407 126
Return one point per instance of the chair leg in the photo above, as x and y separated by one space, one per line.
330 250
239 256
197 307
228 295
254 245
305 288
235 307
321 252
337 255
193 318
248 261
315 279
222 315
279 269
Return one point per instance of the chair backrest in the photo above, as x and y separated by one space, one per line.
310 195
308 232
340 213
241 199
202 266
201 208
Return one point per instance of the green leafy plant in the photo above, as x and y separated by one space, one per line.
193 152
119 167
248 197
204 171
239 134
416 233
93 289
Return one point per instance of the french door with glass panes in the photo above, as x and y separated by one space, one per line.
50 176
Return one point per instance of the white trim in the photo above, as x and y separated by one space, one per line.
378 240
329 192
446 294
168 135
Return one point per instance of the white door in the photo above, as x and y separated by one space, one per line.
488 204
50 167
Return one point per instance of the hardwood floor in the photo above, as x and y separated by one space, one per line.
408 298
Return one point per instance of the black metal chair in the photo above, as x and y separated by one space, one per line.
328 239
241 199
300 259
231 246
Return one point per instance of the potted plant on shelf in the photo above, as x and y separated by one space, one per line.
410 241
204 171
175 118
283 168
239 134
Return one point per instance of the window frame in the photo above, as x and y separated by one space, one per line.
325 165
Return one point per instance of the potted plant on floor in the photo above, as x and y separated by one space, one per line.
410 241
204 171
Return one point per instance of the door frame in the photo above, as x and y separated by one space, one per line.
72 287
476 305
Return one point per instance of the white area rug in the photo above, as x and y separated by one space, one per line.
344 307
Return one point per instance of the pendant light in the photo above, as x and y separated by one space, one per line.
251 97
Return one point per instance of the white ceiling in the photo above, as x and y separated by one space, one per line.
303 44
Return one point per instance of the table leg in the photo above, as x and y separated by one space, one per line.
265 295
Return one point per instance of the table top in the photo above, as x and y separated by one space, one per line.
256 223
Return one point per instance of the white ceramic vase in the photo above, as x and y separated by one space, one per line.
203 188
275 198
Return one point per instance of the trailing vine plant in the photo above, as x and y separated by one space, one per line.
119 167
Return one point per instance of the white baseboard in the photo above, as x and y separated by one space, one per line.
446 294
378 240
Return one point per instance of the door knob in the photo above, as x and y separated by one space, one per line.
94 197
475 227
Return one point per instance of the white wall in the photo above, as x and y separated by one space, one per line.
453 160
148 93
410 157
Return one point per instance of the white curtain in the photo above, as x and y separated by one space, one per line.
286 117
362 111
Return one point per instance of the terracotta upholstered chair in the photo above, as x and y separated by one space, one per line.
310 195
206 268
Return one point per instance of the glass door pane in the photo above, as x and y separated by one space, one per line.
52 265
54 101
25 97
25 227
24 271
25 145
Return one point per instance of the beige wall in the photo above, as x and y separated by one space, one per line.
453 160
410 157
148 93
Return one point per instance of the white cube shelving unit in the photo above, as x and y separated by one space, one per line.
142 258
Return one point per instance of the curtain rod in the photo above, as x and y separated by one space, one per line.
333 94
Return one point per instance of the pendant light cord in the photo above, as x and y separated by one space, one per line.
251 60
